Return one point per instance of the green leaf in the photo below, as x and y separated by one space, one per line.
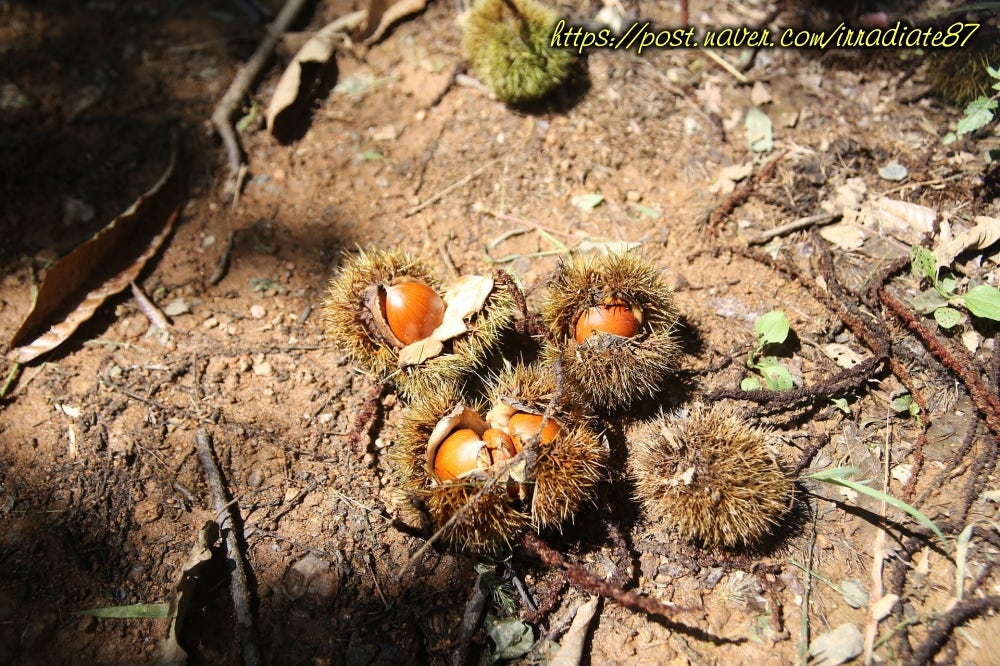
771 327
928 301
512 637
132 611
777 377
978 114
947 284
993 72
841 404
902 403
984 301
923 262
750 383
947 317
948 138
837 476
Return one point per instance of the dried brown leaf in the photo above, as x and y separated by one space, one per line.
169 652
395 12
294 85
985 233
78 283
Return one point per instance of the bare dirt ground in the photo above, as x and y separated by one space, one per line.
102 494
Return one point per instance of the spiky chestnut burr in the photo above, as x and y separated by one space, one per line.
611 322
711 475
568 455
477 513
508 43
960 75
389 313
483 482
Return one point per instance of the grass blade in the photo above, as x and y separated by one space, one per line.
133 611
837 476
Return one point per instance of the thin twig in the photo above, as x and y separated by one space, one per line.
443 193
239 586
797 225
588 582
470 623
240 86
148 308
223 265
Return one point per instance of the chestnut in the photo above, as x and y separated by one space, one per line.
614 317
464 450
523 426
412 310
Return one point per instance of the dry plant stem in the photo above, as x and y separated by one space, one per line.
223 264
797 225
239 585
239 88
878 557
443 193
954 359
740 195
146 307
963 612
588 582
471 618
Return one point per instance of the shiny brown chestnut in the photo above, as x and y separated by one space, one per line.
524 426
614 317
412 310
464 450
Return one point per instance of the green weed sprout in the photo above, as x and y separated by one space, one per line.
939 299
979 113
772 329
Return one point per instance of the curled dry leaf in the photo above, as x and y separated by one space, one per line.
78 283
908 222
294 85
169 652
398 10
570 652
985 233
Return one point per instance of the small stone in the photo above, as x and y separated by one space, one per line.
263 369
256 479
211 322
258 311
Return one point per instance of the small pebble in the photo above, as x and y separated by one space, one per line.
258 311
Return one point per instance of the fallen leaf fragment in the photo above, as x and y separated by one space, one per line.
838 646
78 283
294 84
908 222
985 233
169 652
570 651
842 355
397 11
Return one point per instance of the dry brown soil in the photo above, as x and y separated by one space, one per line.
102 494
